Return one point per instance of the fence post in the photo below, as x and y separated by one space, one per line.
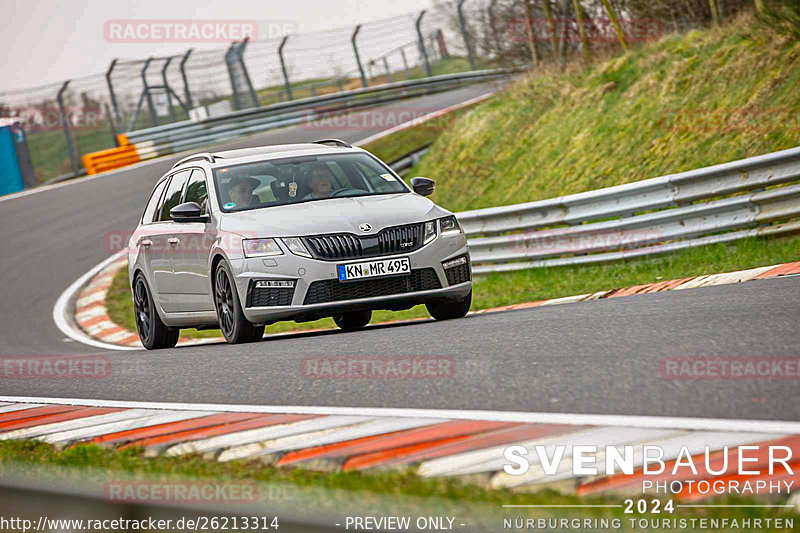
111 123
493 24
405 62
236 103
443 53
166 88
428 70
465 34
153 116
65 125
187 93
358 57
240 56
283 67
111 89
388 70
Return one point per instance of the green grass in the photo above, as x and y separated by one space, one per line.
556 133
334 491
496 290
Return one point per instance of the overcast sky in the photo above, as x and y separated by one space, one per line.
47 41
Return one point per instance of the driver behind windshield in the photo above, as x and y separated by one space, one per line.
241 191
321 182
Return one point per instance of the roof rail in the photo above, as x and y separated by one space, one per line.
336 142
196 157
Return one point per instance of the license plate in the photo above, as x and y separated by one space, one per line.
374 269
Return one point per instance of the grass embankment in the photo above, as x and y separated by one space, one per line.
371 489
686 102
623 120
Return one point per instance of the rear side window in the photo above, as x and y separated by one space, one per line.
196 190
173 195
150 210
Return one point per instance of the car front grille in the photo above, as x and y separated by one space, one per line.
458 274
270 296
398 239
332 290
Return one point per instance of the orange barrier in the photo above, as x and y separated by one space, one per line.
110 159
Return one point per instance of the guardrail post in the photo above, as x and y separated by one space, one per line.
65 125
153 116
428 70
166 87
283 67
186 92
240 56
465 34
358 57
388 70
111 89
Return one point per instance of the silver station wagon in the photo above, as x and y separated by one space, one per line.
245 238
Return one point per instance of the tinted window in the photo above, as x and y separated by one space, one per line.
150 210
302 179
173 195
196 190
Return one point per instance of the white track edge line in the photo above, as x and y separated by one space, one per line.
61 308
690 423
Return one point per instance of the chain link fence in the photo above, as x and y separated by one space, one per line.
66 120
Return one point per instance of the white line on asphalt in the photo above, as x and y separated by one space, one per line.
706 424
61 309
423 119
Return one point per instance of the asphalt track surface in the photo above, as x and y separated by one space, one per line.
602 357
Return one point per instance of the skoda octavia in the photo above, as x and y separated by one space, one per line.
241 239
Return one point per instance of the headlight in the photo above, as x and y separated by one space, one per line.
430 232
449 225
261 247
296 246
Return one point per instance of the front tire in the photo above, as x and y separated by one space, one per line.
153 333
234 325
353 320
448 310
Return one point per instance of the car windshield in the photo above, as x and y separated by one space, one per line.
302 179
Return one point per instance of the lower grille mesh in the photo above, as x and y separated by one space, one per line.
458 274
334 291
271 296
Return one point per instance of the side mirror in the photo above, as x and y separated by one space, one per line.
188 212
422 186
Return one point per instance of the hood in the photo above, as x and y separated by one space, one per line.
334 215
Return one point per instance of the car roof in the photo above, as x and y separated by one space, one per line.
263 153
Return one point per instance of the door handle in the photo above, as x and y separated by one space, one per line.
145 242
172 240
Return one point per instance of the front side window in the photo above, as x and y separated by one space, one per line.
196 190
303 179
172 196
152 204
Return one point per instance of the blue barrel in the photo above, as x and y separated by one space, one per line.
10 174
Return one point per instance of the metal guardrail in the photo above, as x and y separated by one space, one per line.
179 136
709 205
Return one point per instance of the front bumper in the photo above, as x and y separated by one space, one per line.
316 283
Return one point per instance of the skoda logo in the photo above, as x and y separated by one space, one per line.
365 227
